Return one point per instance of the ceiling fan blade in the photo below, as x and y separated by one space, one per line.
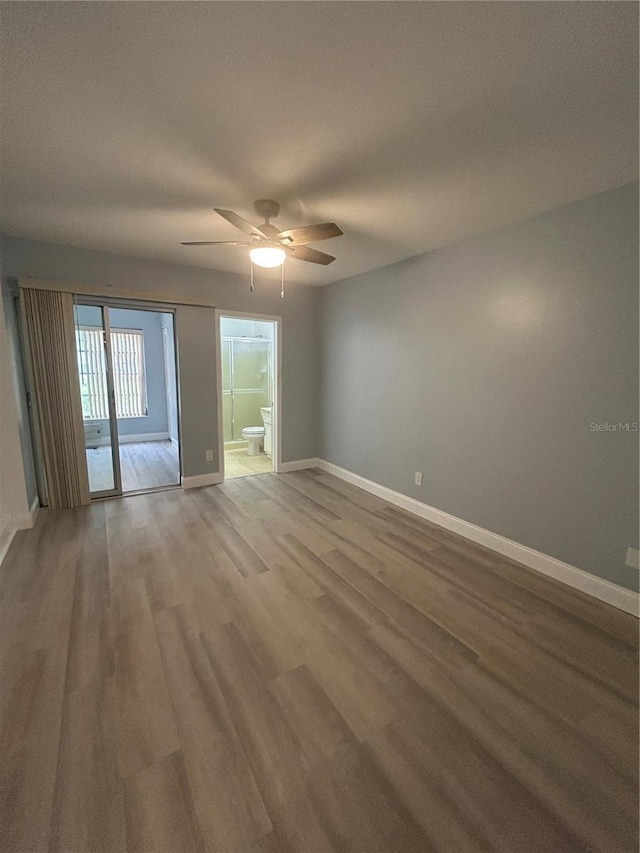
239 222
214 243
310 233
304 253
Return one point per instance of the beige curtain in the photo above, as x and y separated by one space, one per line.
49 323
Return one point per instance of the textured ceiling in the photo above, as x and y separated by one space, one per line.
411 125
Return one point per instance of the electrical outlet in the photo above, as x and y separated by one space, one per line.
417 479
209 455
633 558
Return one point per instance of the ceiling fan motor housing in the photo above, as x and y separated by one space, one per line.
267 208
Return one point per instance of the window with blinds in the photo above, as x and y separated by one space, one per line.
127 349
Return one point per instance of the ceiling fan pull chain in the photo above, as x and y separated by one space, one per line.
282 281
251 285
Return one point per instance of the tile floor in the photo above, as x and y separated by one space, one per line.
237 463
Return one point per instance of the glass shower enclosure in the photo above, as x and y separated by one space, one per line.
247 384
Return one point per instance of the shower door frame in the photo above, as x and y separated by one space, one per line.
276 428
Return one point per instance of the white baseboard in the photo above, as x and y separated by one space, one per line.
130 439
6 538
298 465
198 480
623 599
143 436
26 521
234 445
18 522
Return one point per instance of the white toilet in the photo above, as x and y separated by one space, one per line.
254 436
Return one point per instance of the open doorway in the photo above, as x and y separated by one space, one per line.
126 366
249 386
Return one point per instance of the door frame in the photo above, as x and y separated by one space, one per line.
113 419
114 438
276 428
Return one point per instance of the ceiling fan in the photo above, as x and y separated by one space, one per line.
268 246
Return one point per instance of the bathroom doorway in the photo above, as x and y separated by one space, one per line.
249 386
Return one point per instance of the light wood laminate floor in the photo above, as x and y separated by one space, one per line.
285 663
143 465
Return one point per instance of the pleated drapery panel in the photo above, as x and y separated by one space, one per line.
49 322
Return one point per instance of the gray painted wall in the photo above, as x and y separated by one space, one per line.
483 365
300 331
150 324
14 506
198 389
17 370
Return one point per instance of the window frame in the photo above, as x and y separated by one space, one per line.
140 375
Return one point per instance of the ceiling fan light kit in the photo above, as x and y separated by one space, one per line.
269 247
267 255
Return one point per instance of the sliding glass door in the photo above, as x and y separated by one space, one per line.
126 357
95 360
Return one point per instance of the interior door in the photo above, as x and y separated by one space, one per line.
95 369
